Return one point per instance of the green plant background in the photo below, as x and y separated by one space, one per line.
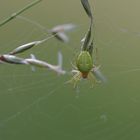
40 106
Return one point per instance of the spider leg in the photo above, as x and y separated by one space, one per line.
73 66
92 79
75 79
98 74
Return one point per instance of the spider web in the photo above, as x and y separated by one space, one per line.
39 105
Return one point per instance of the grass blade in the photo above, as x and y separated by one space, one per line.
14 15
87 8
86 40
90 48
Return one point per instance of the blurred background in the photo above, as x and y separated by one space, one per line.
39 105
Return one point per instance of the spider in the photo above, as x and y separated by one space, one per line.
84 68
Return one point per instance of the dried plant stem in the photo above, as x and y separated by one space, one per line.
14 15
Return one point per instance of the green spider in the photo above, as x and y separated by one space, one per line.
84 68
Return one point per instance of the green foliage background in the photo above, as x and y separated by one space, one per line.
39 105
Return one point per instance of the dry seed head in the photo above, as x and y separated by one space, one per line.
39 63
63 28
59 31
61 36
24 47
27 46
12 59
43 64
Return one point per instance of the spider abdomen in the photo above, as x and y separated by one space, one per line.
84 62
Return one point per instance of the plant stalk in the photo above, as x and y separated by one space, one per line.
14 15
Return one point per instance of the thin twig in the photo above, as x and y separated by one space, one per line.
14 15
